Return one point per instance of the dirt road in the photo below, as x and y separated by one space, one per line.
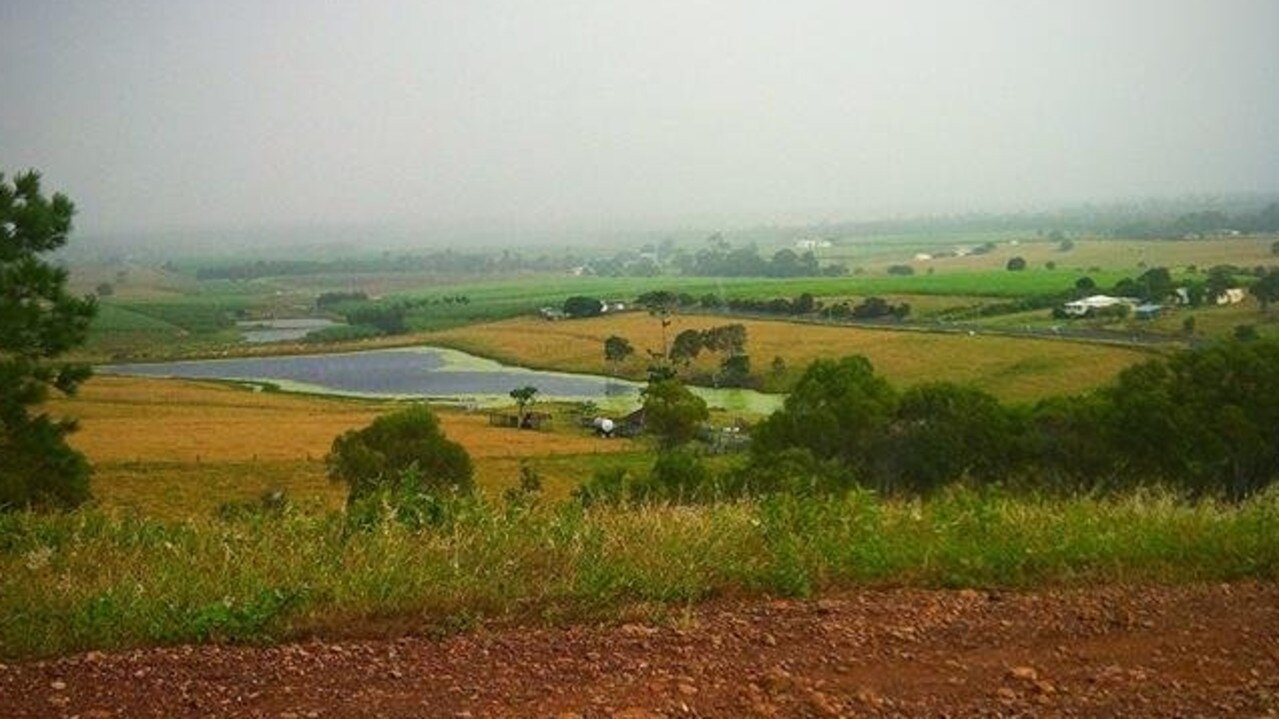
1187 651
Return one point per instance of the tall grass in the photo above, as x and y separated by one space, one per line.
88 580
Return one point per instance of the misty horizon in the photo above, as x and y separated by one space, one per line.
563 120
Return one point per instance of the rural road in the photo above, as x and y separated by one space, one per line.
1208 650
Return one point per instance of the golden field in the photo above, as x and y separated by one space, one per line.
177 448
1013 369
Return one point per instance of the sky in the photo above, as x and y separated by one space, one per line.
182 115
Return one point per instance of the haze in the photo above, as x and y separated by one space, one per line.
157 116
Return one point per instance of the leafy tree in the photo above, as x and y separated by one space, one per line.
1266 289
686 347
672 412
616 350
524 397
944 432
579 306
725 338
407 446
1207 420
1016 264
1085 284
839 410
1220 279
39 321
736 370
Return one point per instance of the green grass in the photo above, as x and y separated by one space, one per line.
87 580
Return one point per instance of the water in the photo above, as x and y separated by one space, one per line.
437 374
260 331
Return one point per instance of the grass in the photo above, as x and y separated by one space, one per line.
90 580
1014 369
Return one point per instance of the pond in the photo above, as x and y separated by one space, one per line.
437 374
260 331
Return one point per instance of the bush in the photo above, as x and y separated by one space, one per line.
672 412
402 453
1016 264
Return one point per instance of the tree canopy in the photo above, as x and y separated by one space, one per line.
672 412
402 447
39 321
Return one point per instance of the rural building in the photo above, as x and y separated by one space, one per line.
1232 296
552 313
812 244
1088 305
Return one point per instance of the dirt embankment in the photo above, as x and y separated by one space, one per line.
1188 651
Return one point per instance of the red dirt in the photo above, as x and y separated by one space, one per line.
1110 651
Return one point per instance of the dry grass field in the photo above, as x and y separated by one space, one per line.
1013 369
179 448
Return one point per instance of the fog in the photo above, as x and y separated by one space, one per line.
537 117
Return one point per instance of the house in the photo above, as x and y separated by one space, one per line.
1088 305
552 313
812 244
1232 296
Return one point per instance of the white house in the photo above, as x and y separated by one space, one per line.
1080 308
1232 296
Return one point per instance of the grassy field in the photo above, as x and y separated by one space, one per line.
1011 368
178 449
1110 255
86 580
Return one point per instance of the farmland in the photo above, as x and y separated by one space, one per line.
174 461
180 449
1012 368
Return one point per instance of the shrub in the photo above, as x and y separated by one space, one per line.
402 452
672 412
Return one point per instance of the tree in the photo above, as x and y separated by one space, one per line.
1274 247
579 306
39 322
945 432
397 448
1016 264
616 350
524 397
662 305
686 347
839 410
1266 289
672 412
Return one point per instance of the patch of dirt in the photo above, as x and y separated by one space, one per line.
1108 651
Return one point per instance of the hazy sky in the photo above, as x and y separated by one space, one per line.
216 114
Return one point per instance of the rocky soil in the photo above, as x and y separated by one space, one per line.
1111 651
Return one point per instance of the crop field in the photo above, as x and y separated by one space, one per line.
1010 368
173 448
1089 254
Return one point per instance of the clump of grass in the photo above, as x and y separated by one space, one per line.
88 580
